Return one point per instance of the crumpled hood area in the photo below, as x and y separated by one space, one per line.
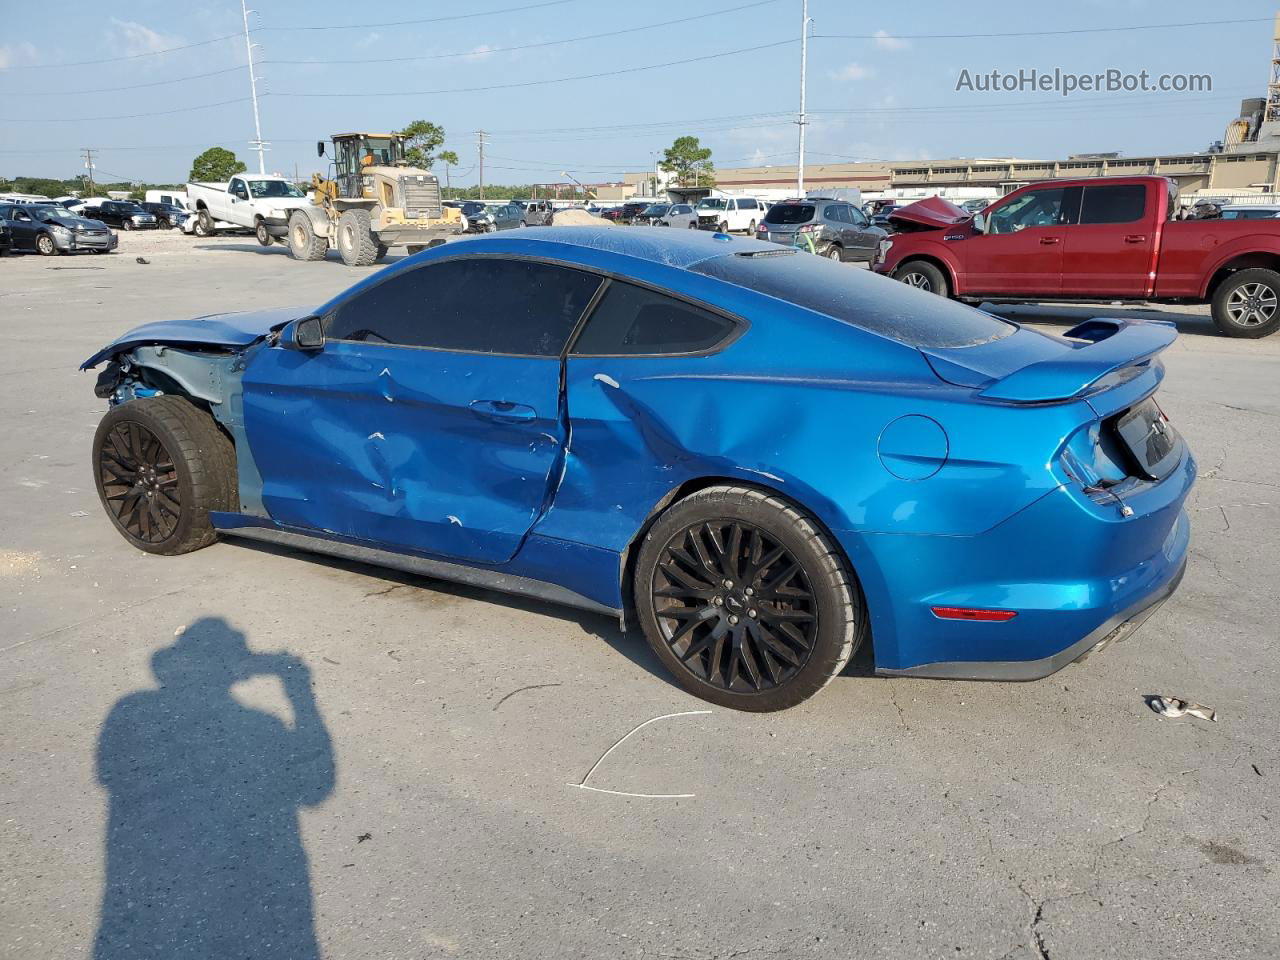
932 212
214 330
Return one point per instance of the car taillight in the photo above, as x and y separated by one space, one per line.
762 228
808 228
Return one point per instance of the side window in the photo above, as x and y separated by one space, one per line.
1123 203
633 320
856 215
530 308
747 204
1035 208
831 212
237 188
22 215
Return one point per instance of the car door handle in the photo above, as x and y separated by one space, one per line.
1136 238
1050 240
503 410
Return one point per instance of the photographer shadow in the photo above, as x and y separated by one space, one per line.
204 854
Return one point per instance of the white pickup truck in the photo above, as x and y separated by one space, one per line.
262 204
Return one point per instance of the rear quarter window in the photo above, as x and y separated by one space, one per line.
859 298
631 320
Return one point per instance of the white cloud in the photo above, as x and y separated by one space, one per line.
852 72
369 39
139 38
479 53
887 42
20 55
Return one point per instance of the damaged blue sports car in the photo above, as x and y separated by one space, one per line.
761 458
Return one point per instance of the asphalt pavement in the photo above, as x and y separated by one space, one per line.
315 758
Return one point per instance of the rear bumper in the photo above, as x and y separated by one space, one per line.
1077 573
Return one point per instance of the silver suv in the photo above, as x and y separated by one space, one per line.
836 229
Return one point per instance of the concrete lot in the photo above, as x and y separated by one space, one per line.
892 819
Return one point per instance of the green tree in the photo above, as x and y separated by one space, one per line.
215 164
450 160
422 138
688 163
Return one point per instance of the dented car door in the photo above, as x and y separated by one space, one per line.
432 417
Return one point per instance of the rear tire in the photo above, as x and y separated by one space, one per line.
205 222
923 276
261 234
758 620
834 253
356 244
160 466
304 242
1247 304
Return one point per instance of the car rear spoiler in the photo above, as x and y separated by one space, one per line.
1108 346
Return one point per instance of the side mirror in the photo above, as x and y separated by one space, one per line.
319 148
979 223
304 334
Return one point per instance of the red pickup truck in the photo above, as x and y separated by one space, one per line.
1109 238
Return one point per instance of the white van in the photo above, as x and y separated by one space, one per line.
728 214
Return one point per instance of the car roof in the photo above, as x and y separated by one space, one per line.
655 244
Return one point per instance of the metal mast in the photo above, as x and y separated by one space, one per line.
257 142
804 69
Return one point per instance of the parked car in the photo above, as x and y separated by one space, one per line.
167 215
1250 211
259 203
612 214
50 230
651 215
536 213
679 215
630 210
505 216
124 214
751 522
728 214
1104 238
837 230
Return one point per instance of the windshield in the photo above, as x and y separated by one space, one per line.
790 213
273 188
859 298
711 203
46 214
472 209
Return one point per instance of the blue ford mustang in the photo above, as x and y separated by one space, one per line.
762 458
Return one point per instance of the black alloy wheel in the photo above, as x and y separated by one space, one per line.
734 606
139 482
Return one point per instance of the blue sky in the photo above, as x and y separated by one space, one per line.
880 95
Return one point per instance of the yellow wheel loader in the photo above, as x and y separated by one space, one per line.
371 200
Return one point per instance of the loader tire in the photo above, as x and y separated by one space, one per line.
304 242
355 239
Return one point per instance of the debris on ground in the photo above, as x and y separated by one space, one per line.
635 730
1173 707
142 260
363 837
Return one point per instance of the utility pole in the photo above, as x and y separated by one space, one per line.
256 143
480 135
87 153
804 69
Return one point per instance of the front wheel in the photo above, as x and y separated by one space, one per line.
45 246
746 600
160 466
304 242
263 236
126 224
356 244
723 227
923 276
693 225
1247 303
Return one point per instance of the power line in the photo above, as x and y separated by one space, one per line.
407 23
545 43
538 83
135 56
1032 33
126 116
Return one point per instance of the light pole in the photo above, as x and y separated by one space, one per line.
804 69
253 92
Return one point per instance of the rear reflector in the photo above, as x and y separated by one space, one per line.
969 613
